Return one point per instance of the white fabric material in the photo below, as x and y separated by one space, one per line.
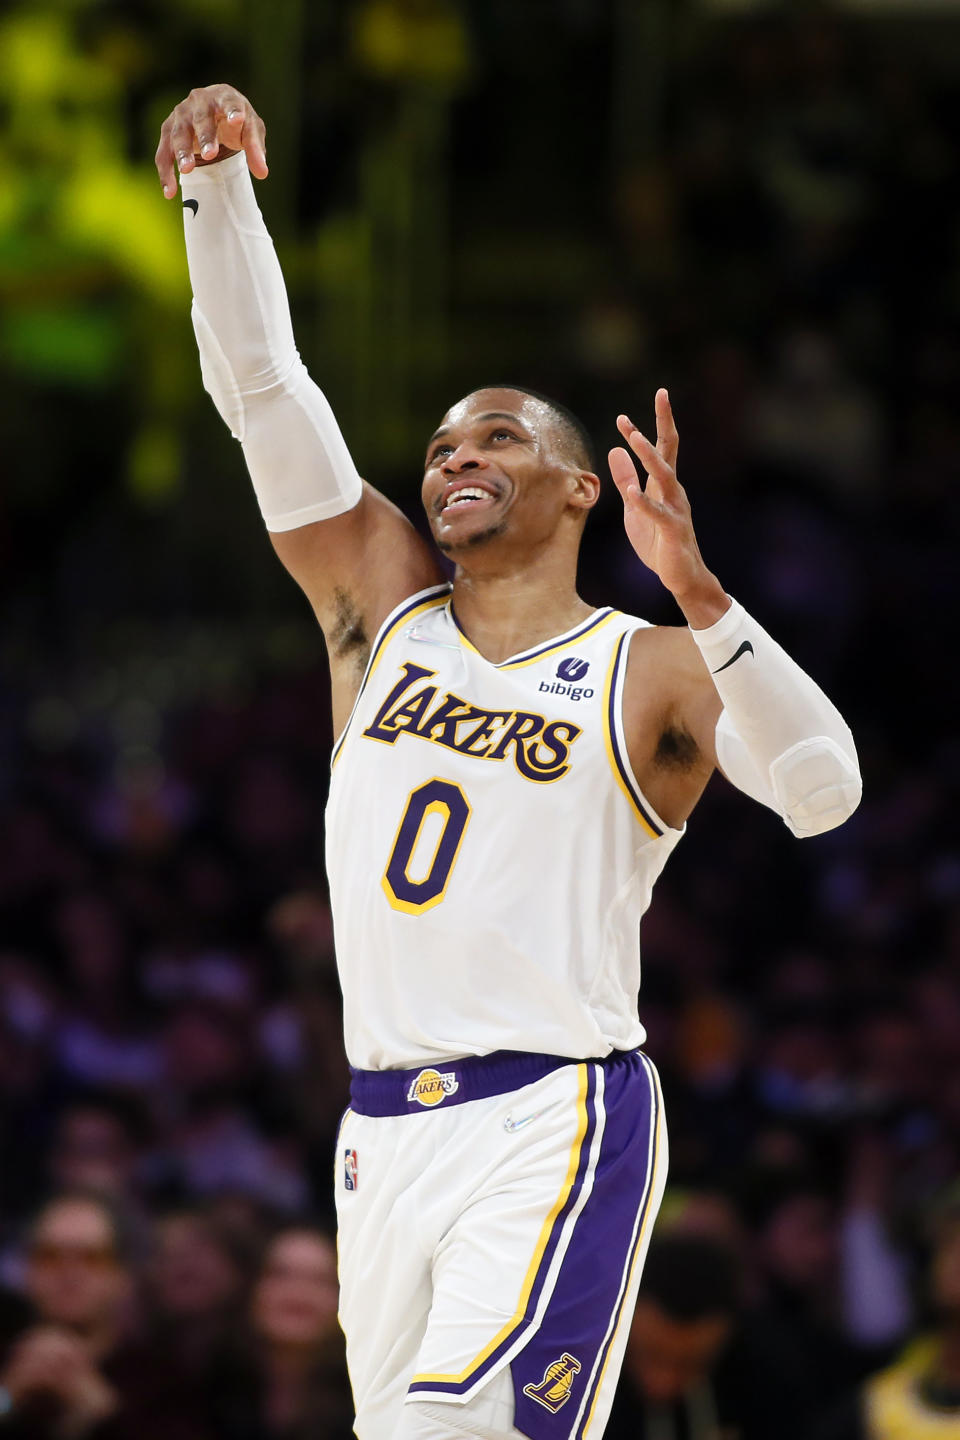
436 1237
779 739
298 460
444 1213
531 943
488 1416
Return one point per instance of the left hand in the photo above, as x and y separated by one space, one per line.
657 517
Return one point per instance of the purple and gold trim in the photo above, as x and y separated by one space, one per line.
616 746
477 1077
528 657
424 600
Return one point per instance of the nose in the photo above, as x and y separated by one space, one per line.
465 457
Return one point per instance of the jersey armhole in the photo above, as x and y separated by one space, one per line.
414 605
615 738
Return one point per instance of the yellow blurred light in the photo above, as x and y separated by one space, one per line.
154 464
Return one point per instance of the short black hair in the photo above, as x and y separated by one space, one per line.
574 430
691 1277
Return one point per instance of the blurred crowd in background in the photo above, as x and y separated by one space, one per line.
755 205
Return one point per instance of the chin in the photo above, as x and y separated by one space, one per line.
470 542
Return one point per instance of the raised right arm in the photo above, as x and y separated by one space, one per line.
352 552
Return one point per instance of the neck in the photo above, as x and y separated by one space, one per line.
510 607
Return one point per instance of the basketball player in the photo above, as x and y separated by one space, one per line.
512 770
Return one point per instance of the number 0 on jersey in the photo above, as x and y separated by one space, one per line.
410 884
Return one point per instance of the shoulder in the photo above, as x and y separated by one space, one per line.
670 710
665 660
664 676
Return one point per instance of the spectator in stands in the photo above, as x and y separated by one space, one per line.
76 1372
698 1365
918 1396
684 1318
95 1146
198 1279
103 1039
288 1379
796 1222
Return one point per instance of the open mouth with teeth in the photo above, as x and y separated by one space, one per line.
465 497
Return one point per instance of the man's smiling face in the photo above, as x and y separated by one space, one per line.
500 465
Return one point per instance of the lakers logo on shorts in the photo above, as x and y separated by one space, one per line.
432 1087
554 1389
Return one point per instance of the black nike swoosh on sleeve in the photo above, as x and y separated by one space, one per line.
742 651
193 205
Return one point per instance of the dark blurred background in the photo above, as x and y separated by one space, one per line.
755 204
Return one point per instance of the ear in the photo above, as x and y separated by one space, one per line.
584 489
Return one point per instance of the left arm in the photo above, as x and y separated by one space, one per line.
778 738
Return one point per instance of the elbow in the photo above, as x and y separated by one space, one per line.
824 810
817 785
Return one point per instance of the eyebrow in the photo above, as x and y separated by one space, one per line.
487 415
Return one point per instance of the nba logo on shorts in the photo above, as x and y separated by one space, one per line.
573 668
350 1169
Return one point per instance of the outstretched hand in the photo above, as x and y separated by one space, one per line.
211 124
656 516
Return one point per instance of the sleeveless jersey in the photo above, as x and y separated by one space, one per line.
488 849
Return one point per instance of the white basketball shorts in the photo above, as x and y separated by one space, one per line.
494 1212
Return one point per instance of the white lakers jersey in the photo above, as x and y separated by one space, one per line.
489 851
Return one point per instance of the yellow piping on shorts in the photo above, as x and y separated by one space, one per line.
542 1243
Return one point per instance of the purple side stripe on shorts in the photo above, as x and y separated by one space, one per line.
586 1306
516 1332
448 1082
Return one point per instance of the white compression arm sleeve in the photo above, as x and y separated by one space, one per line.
297 458
779 738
